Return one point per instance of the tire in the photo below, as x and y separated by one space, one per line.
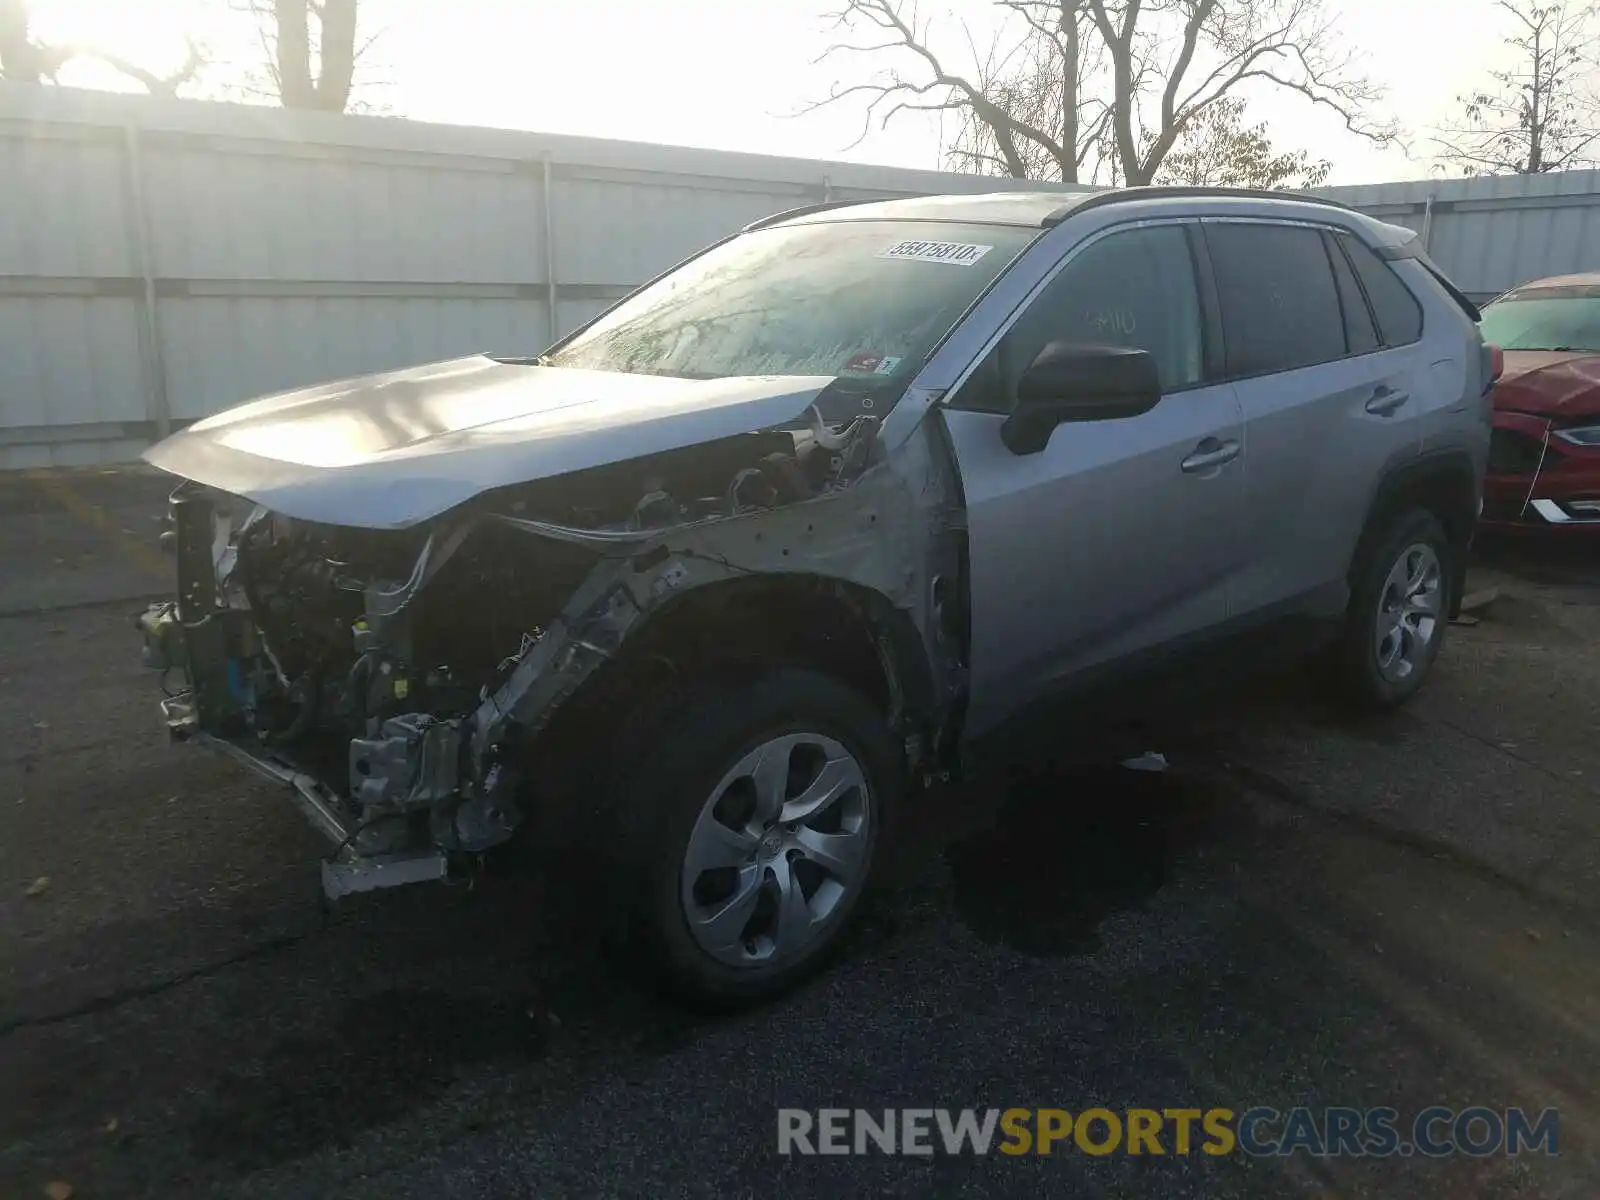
1373 670
709 863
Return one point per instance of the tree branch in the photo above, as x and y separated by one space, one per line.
1082 82
885 15
1541 115
194 62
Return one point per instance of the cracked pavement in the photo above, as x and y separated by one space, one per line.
1303 910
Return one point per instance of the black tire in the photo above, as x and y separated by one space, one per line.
675 754
1354 657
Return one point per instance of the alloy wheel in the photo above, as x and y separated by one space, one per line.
1409 610
780 843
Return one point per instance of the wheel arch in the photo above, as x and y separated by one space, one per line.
1445 484
741 626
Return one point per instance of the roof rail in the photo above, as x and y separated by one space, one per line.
1120 195
803 211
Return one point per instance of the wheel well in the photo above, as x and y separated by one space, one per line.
742 626
1443 485
754 623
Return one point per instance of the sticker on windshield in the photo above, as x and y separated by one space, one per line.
956 254
869 364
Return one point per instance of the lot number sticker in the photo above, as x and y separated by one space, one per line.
955 254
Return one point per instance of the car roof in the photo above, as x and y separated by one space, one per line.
1028 209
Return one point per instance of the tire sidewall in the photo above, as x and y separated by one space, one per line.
670 780
1415 527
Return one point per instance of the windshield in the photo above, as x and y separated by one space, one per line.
1548 321
862 301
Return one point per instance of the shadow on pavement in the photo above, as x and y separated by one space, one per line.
383 1054
1071 847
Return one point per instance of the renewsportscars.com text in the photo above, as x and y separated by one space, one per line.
1435 1132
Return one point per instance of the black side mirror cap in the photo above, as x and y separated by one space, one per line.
1071 381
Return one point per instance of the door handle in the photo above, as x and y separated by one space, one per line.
1386 400
1211 452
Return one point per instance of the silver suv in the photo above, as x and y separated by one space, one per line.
704 592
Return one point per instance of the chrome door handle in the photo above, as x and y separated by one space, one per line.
1211 452
1386 400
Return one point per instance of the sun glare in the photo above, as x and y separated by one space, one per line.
150 35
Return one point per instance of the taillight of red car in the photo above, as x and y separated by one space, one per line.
1496 361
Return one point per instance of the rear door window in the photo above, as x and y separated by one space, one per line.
1280 304
1398 313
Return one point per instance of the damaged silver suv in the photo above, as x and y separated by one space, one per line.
715 583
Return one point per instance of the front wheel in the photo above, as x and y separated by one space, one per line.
1399 609
753 815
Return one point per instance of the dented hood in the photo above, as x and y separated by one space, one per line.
1550 383
387 451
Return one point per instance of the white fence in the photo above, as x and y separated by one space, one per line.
160 260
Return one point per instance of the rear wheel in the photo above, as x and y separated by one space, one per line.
1399 609
753 814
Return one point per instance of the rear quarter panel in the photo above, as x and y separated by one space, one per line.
1458 407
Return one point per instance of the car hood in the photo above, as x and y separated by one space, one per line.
1549 383
387 451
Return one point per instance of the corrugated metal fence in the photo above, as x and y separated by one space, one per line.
1492 234
160 260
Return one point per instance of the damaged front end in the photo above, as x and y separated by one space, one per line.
309 652
394 680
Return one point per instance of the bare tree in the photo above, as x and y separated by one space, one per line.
1541 115
24 59
310 51
1000 106
1118 79
1038 83
195 60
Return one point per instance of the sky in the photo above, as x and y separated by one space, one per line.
731 74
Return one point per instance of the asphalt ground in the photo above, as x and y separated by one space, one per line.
1302 911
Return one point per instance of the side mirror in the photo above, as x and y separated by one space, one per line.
1075 382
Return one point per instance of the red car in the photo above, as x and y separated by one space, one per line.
1544 456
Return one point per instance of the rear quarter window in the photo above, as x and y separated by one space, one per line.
1398 314
1361 335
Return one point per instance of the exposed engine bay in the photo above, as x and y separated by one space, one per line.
393 678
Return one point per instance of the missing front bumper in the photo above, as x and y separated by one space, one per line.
195 639
344 871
